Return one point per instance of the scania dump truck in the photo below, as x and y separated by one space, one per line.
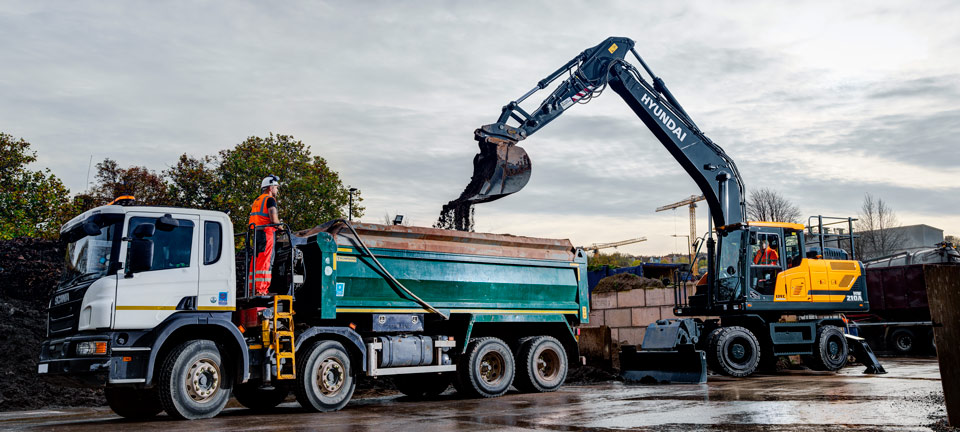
156 306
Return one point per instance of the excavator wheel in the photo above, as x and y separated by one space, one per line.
734 351
830 350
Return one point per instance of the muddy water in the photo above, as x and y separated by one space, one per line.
788 401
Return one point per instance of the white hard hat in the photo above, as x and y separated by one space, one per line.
270 180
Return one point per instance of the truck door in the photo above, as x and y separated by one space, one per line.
766 260
145 299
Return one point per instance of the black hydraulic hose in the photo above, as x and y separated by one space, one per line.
389 276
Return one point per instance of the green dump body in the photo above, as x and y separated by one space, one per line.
530 279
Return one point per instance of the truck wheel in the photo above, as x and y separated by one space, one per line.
734 351
420 386
486 369
255 398
541 365
193 382
829 350
132 403
325 380
903 340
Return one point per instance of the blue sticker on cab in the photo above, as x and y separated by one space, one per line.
339 289
223 298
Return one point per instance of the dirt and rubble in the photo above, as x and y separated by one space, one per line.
30 270
626 282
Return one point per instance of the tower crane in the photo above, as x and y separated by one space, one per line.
692 202
597 246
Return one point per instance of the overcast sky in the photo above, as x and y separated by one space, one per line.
823 102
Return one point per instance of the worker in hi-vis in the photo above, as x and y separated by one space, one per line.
264 212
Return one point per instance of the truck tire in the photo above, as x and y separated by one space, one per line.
133 403
830 350
734 351
193 382
903 341
419 386
325 380
255 398
486 369
541 365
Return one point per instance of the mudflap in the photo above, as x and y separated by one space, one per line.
863 354
663 367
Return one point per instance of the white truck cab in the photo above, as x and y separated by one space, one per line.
135 278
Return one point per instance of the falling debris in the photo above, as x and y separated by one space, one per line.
500 169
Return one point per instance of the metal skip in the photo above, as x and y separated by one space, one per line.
668 355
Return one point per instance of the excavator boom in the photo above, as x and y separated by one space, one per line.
502 167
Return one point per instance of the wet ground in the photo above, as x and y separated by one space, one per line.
909 397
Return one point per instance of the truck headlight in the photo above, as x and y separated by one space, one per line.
92 348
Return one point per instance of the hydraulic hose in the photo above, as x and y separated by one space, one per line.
389 276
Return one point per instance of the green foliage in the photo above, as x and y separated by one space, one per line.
32 203
192 182
310 193
112 181
614 260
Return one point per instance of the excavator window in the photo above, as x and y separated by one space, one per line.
729 267
766 263
791 248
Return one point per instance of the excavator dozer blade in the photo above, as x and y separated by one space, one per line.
663 367
500 169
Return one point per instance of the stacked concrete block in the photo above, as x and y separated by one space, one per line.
628 313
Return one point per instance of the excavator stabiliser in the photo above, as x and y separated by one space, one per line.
669 355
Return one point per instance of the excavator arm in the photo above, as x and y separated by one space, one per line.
503 167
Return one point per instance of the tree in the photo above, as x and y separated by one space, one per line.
112 181
192 182
32 203
310 194
766 204
877 226
614 260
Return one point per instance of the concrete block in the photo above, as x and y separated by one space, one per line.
631 298
615 335
666 312
596 318
632 335
641 317
617 317
659 296
607 300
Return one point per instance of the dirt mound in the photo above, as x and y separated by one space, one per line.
626 282
30 270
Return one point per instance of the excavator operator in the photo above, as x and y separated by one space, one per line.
766 255
264 212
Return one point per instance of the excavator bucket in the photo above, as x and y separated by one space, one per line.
500 169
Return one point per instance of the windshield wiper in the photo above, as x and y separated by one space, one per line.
78 278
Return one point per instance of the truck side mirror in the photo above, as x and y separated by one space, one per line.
753 238
167 223
90 228
144 230
140 257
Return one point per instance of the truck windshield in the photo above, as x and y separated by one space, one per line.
88 257
728 282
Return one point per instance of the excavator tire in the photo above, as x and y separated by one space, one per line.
830 350
734 351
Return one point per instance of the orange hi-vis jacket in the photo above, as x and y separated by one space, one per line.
766 257
259 215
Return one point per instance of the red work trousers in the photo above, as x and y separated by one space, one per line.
261 272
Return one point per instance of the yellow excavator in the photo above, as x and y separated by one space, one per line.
758 272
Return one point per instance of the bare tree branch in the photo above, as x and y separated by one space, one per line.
877 225
766 204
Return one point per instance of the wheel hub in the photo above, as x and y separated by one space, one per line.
738 351
203 380
491 367
330 376
548 365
